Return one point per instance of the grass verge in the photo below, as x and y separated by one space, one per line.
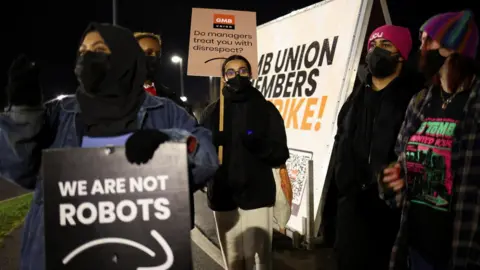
12 213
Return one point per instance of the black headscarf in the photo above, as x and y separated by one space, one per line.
113 109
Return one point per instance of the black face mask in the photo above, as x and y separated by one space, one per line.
381 63
238 83
153 63
433 62
91 69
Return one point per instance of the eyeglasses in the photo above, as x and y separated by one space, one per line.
243 71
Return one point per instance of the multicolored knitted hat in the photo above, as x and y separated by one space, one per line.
454 30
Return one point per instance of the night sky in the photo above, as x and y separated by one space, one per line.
49 31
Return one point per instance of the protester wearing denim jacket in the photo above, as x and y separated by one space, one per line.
26 129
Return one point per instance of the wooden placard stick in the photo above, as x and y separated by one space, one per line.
221 120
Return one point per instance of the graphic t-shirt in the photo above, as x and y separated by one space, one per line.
431 179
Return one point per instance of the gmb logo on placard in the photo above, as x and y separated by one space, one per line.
224 21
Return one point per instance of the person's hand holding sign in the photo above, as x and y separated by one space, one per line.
141 146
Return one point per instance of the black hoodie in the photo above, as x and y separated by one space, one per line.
113 109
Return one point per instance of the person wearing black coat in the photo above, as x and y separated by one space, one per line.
242 192
361 225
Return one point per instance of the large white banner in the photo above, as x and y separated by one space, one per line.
303 62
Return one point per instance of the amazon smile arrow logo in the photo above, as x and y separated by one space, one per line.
113 240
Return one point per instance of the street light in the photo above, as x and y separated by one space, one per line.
178 60
60 97
115 11
211 88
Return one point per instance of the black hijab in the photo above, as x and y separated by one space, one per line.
113 109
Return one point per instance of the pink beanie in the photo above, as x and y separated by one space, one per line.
399 36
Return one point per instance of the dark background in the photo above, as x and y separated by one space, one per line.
49 31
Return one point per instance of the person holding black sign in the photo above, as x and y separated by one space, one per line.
110 108
242 192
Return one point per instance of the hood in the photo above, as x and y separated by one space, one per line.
114 106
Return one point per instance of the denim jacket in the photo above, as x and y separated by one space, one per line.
25 132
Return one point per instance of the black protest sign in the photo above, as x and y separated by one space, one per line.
102 212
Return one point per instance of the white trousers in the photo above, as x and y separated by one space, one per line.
245 238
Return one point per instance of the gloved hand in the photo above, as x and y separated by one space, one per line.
141 146
23 88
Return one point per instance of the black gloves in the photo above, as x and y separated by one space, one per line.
23 87
141 146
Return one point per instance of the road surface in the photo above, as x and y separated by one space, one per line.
285 256
9 190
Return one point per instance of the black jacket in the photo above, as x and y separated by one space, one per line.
254 142
383 134
341 179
